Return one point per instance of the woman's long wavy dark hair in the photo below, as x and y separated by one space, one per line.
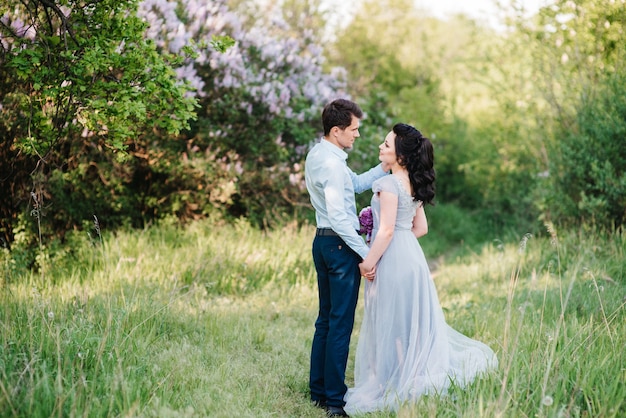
415 152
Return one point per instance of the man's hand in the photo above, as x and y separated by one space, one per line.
386 167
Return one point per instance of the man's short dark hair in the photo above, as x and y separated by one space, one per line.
339 113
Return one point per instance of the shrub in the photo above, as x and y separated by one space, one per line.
589 165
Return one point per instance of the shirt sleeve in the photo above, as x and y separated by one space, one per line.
340 221
364 181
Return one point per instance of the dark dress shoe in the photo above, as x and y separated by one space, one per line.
336 411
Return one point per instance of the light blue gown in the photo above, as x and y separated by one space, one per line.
405 348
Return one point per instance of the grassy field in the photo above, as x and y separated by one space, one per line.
216 320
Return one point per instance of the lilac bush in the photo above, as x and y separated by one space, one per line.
283 73
259 110
260 100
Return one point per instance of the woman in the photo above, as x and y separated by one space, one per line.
406 349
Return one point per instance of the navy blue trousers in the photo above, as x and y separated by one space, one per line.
338 279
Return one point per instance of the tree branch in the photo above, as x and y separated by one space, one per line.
50 4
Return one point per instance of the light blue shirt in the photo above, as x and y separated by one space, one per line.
331 186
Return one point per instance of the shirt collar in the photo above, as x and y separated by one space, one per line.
334 149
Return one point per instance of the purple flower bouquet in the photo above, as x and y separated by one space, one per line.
367 223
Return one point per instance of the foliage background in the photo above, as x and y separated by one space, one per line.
527 119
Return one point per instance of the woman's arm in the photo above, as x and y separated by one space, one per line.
388 213
420 224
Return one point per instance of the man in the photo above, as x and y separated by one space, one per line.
337 249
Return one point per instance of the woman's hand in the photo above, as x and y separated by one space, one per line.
367 272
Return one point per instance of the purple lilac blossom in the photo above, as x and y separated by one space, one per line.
285 70
366 221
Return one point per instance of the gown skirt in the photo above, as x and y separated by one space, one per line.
405 348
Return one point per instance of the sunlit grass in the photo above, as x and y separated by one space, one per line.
217 320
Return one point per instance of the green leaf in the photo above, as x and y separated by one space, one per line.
222 43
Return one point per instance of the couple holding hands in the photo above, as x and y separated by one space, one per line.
405 348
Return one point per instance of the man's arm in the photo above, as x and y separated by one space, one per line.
341 222
363 182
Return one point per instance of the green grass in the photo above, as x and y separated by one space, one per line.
217 320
